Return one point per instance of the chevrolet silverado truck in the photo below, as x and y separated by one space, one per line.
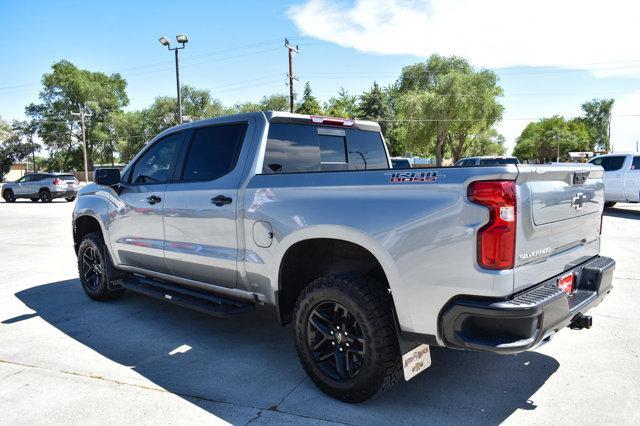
372 265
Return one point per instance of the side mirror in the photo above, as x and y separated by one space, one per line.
107 177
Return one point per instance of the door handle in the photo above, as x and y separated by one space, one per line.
153 199
221 200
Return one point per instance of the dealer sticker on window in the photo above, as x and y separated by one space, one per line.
415 361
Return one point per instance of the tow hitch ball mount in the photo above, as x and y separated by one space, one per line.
581 321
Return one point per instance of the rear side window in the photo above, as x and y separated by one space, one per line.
636 163
214 151
296 148
609 164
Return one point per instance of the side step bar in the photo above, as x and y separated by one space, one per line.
200 301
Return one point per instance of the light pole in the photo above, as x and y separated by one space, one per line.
183 39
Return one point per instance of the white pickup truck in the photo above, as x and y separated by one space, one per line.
621 177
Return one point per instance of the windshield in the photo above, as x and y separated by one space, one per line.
400 163
609 164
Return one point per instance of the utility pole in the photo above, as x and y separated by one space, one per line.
291 49
82 115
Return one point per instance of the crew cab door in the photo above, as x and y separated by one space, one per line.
136 231
201 207
632 181
614 166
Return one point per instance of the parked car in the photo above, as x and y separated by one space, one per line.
42 186
371 265
485 161
621 177
400 163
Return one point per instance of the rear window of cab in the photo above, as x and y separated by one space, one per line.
299 148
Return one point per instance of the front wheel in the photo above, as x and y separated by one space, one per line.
9 196
95 268
70 199
345 336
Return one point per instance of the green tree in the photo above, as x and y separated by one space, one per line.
308 104
13 147
377 104
344 105
66 89
132 129
551 138
275 102
598 118
488 142
445 101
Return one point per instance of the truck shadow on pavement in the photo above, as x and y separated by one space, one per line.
622 213
250 361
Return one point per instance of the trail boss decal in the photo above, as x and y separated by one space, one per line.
408 177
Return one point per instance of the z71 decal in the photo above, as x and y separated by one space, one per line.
408 177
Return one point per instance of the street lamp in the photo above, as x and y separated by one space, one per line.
183 39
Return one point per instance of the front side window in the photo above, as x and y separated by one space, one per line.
296 148
609 164
156 165
214 151
636 163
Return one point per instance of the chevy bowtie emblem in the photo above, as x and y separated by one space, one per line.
578 201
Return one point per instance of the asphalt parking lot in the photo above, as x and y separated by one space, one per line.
66 359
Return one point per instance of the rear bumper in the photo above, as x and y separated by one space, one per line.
524 320
64 193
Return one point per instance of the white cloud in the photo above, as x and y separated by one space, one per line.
583 34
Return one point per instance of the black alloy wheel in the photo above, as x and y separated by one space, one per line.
9 196
336 340
45 196
92 269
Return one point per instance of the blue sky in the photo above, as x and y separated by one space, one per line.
236 51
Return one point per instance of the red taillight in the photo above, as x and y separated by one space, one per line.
332 121
56 181
496 239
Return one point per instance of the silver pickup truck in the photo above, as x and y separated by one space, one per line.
371 265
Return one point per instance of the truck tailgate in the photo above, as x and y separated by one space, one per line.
559 214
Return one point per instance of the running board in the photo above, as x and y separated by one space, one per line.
200 301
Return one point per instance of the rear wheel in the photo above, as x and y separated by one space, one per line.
609 204
95 268
70 199
346 337
45 196
9 196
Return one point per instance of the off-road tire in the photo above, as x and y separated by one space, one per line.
70 199
45 196
371 305
101 291
609 204
34 200
9 196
